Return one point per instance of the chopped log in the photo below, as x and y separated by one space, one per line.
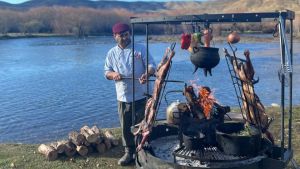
82 150
89 134
101 148
49 152
107 143
86 143
100 135
91 149
70 149
77 138
59 146
112 138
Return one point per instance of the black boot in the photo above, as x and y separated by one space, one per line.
127 157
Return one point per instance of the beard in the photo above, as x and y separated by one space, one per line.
124 42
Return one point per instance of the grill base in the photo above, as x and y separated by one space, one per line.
206 154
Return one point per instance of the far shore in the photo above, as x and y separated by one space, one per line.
245 37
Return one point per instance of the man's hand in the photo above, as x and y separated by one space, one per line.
117 76
114 76
143 78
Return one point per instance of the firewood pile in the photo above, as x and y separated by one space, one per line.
84 142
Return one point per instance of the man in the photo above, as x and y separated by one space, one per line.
118 67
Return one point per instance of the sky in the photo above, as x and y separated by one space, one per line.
20 1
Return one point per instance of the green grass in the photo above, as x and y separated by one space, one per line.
25 156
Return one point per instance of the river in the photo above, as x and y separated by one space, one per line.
51 86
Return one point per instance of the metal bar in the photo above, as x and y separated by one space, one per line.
153 80
291 87
133 81
147 60
287 64
233 77
282 77
237 58
211 18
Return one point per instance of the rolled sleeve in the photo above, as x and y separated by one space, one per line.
108 67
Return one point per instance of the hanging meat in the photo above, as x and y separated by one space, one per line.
146 125
255 111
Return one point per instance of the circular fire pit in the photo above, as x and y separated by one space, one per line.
165 152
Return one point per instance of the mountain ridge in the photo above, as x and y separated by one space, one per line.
131 6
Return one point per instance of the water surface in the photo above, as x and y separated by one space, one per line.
51 86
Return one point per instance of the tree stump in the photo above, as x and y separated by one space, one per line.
49 152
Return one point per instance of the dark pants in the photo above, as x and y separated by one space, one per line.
125 116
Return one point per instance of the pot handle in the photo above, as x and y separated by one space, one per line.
195 49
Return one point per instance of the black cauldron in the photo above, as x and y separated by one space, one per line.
193 140
205 57
230 142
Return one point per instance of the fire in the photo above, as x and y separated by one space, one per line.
206 100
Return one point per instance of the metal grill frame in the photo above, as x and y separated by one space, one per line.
208 154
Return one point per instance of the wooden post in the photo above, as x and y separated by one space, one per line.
49 152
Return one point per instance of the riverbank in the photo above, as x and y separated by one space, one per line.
30 35
247 37
25 156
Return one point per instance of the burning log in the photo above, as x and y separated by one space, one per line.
113 140
70 149
48 151
192 101
89 134
82 150
77 138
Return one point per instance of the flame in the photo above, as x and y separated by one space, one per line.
206 100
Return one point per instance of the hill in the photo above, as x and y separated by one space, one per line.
81 17
131 6
232 6
168 8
